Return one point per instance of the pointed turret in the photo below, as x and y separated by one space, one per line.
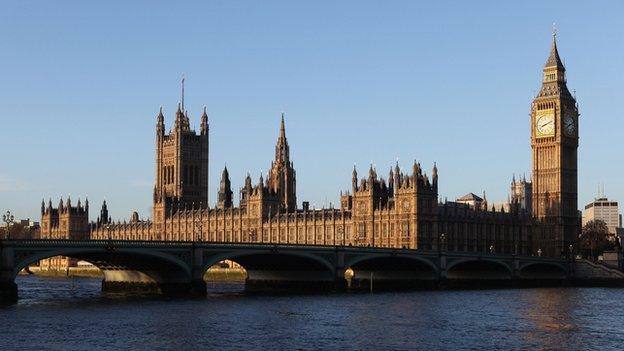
554 79
224 197
42 206
248 181
282 152
416 169
553 59
204 122
104 218
179 119
160 123
187 121
354 179
434 174
282 128
485 203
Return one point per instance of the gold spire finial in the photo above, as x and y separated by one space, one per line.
554 30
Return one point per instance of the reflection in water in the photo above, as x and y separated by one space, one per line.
70 314
549 311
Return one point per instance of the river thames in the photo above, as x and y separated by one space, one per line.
72 314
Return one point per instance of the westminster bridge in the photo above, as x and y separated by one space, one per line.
179 267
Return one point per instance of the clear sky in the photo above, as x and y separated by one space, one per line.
81 83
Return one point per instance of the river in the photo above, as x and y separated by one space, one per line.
72 314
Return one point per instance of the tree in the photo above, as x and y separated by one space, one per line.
594 239
19 231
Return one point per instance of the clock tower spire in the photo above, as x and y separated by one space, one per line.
554 142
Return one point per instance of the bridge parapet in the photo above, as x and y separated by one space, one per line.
180 265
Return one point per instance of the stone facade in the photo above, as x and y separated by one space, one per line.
63 222
401 212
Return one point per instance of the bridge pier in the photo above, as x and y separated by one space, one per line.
8 288
163 282
8 293
157 278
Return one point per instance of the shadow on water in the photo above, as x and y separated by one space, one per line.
37 290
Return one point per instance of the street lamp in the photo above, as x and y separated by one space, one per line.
539 252
9 219
492 248
441 239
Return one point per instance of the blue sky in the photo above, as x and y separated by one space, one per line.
360 81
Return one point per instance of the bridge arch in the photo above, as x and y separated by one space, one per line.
391 271
383 259
255 259
94 256
479 269
275 270
543 271
124 269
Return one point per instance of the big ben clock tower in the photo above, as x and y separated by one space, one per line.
554 141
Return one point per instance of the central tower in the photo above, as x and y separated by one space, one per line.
282 178
554 141
181 167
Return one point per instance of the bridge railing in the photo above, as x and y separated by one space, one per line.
117 243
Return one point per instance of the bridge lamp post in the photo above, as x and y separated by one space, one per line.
108 232
441 239
9 219
492 249
539 252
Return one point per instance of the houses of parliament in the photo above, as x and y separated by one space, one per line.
401 210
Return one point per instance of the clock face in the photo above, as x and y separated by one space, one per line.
569 126
545 125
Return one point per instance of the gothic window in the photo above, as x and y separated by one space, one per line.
362 230
406 230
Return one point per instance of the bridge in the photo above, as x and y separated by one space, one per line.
170 267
